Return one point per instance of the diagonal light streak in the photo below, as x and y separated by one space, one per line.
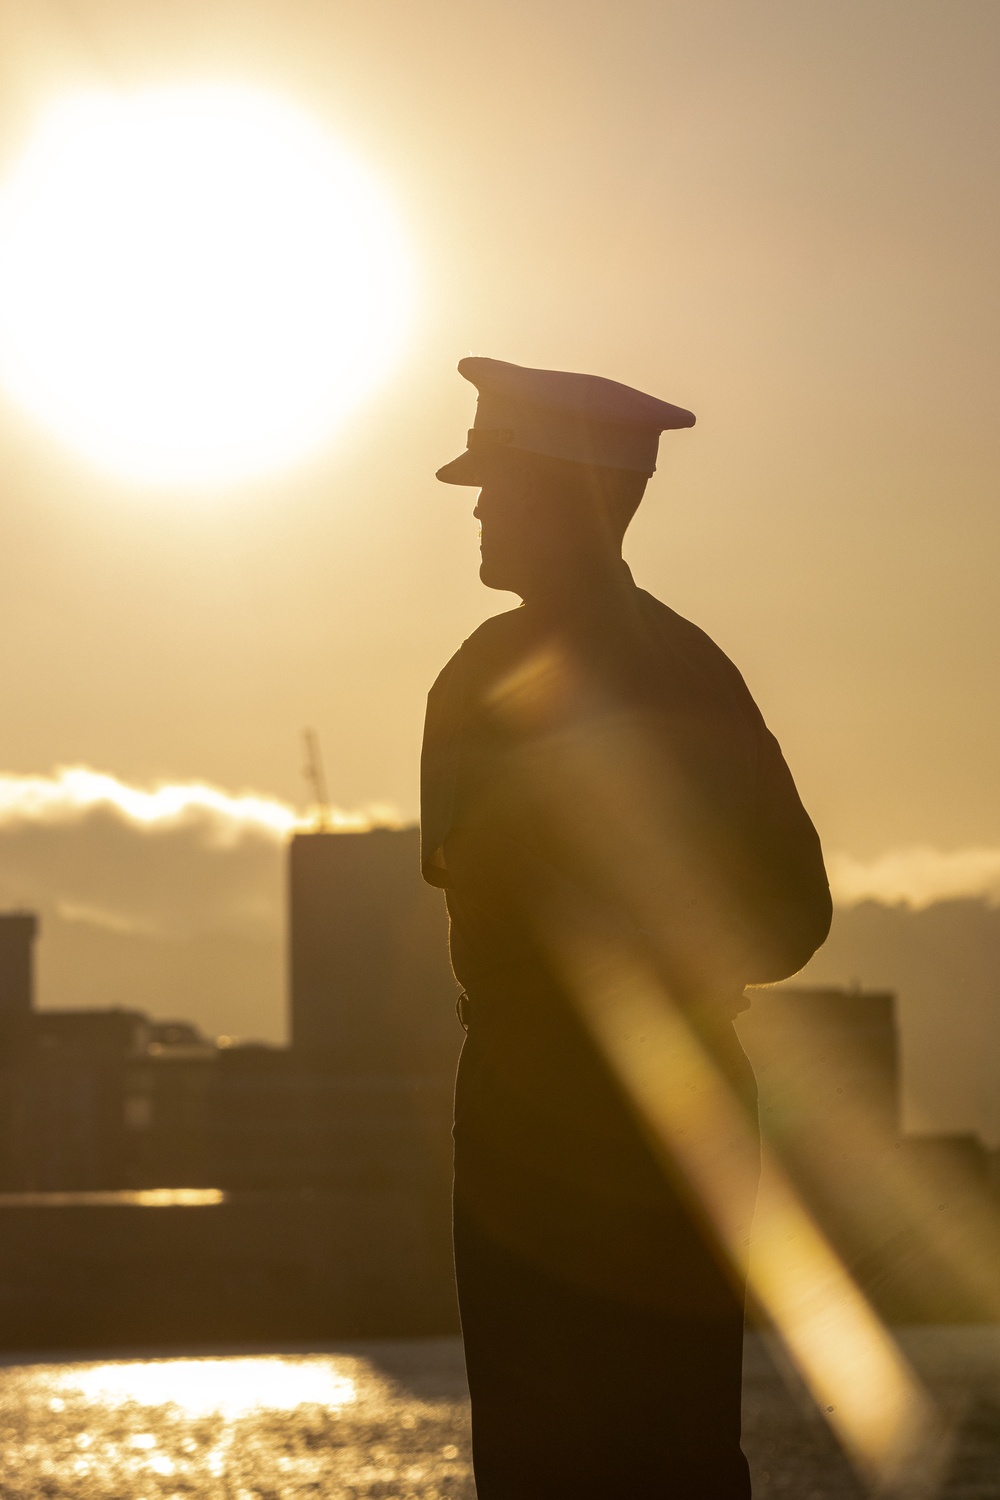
882 1198
853 1369
643 900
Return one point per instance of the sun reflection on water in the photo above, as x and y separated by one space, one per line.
390 1419
200 1387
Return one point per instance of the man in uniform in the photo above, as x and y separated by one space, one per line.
600 797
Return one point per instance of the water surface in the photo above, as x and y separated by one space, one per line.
390 1421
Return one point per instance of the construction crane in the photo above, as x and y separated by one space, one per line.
313 771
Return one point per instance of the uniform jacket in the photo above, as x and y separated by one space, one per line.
616 748
600 772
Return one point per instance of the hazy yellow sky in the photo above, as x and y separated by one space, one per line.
783 216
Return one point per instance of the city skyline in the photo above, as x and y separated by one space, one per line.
186 918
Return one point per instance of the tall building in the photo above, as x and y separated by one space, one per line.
18 930
70 1102
828 1075
826 1060
371 987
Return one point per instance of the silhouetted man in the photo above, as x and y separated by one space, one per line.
610 819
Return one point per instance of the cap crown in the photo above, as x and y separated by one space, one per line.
591 397
584 418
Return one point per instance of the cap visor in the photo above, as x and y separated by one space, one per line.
462 470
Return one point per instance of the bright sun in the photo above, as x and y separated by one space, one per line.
196 284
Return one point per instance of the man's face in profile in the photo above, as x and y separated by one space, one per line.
545 523
518 532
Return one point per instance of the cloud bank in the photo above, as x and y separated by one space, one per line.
917 877
73 791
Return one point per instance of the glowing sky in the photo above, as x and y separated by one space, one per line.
784 217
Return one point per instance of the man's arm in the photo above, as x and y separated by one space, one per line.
787 896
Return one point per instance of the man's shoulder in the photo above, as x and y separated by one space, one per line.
510 626
518 626
498 639
696 647
489 645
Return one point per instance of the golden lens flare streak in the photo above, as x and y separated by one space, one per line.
853 1369
887 1197
197 284
633 861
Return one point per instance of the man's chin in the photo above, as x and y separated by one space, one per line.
495 578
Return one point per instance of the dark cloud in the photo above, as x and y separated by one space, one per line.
169 919
175 880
